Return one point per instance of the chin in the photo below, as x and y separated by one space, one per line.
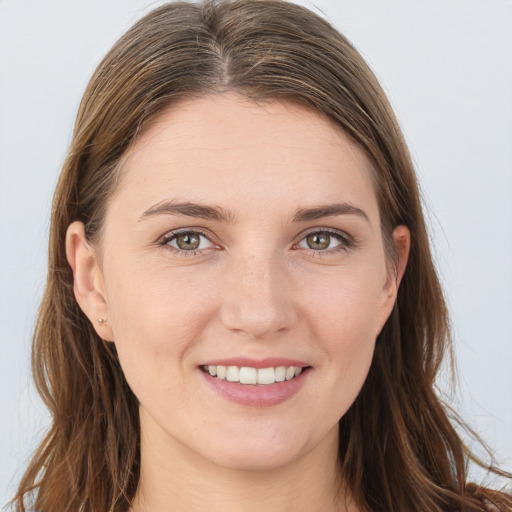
264 448
256 459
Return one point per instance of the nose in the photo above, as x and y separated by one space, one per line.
258 299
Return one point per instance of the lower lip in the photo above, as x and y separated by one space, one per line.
254 395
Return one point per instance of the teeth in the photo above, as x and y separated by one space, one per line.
266 376
280 373
232 374
248 375
221 372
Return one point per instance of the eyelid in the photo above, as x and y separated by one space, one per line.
164 240
346 240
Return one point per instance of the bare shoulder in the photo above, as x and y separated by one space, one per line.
491 500
505 507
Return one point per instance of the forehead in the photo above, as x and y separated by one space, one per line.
227 148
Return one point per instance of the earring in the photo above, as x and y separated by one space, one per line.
102 321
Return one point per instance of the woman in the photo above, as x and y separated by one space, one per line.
241 308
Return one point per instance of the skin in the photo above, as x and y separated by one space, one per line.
255 288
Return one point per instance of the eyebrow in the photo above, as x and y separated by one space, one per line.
328 210
189 209
221 215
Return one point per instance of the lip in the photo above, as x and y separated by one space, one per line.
268 362
254 395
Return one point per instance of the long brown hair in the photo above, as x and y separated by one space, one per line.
398 449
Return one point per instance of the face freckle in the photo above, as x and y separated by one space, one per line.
250 233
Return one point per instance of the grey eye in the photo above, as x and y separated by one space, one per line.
188 241
322 240
318 241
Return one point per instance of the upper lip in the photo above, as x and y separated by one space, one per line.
268 362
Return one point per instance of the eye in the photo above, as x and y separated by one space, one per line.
187 241
324 241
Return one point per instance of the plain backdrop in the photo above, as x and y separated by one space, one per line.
447 67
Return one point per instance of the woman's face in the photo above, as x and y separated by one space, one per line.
243 236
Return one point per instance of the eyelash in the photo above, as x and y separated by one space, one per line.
169 237
346 242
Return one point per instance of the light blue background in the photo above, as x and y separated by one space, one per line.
447 67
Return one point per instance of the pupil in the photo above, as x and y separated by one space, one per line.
318 241
188 242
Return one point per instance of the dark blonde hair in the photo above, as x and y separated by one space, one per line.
398 450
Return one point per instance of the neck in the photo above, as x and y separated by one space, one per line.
174 479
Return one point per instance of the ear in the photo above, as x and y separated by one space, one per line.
402 243
87 279
402 240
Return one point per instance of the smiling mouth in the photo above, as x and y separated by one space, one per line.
253 376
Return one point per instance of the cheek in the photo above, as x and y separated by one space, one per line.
156 322
347 304
344 321
152 298
349 340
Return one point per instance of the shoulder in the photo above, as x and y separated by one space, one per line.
504 505
491 500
